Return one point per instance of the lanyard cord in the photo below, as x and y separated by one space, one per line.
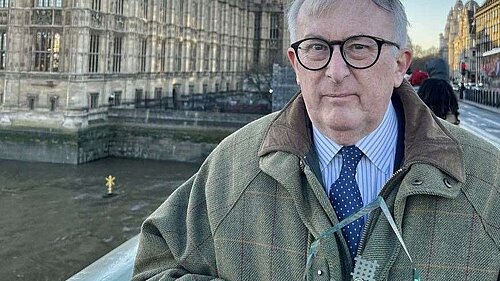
378 202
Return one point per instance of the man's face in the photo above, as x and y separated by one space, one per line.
345 103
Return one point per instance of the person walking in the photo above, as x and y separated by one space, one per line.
438 95
437 68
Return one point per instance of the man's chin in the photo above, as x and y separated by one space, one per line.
342 123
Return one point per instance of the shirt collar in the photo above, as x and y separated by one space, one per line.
376 146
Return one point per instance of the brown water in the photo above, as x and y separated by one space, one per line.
54 220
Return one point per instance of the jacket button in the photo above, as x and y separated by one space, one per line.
447 183
417 182
320 272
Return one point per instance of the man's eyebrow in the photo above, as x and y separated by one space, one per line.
312 35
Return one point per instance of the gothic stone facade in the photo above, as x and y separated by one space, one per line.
458 43
62 61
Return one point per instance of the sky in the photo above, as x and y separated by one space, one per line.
427 19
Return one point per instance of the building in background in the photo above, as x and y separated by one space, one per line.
471 42
459 41
63 61
488 43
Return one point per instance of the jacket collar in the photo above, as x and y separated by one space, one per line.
426 139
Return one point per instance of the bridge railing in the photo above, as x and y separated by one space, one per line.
117 265
483 96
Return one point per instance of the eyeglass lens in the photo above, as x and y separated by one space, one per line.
359 52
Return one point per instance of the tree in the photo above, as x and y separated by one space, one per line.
421 56
257 80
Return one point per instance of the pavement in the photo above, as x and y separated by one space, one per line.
482 106
478 131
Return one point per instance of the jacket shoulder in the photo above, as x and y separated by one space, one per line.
232 166
245 140
471 143
482 186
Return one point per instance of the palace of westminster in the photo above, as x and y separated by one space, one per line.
64 61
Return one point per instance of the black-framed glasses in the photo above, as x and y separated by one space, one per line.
359 51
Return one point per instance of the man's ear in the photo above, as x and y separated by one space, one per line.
403 62
295 64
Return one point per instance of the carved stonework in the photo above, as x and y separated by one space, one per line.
96 19
119 23
58 18
42 17
67 18
4 17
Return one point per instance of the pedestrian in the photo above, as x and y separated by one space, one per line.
263 204
462 90
418 77
437 68
438 95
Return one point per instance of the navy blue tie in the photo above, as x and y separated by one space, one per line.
345 196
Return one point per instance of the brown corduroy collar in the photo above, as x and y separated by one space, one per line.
426 140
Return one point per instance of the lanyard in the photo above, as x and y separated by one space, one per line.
378 202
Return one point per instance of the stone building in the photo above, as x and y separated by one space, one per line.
458 46
63 61
488 43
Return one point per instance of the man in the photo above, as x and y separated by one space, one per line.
462 90
270 190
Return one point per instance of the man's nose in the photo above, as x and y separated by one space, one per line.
337 69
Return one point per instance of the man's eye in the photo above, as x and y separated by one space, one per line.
358 47
318 47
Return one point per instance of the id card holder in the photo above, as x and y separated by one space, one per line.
364 270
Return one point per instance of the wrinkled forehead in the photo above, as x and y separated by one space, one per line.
363 12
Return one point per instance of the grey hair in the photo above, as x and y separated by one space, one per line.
318 7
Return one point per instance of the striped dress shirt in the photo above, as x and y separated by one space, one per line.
377 164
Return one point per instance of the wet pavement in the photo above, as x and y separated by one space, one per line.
54 220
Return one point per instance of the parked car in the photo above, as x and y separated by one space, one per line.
477 87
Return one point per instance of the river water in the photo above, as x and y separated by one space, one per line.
54 220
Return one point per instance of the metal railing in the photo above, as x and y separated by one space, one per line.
235 102
483 96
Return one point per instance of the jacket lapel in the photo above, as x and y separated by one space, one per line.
310 200
426 139
286 147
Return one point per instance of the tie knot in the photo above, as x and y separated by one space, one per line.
351 155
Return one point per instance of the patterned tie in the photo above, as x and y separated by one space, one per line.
345 196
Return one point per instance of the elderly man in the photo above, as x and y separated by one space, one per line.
354 134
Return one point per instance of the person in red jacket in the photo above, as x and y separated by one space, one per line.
417 77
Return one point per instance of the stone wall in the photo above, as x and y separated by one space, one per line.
180 118
93 143
178 136
160 143
38 145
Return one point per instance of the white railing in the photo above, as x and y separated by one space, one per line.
116 265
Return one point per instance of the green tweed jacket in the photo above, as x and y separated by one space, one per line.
256 205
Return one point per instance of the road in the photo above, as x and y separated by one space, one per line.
482 122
